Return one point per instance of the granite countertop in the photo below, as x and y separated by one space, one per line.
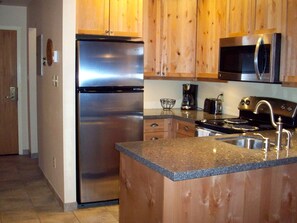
189 158
186 115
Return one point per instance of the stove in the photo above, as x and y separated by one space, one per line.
248 121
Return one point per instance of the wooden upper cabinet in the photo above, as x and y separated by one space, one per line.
92 17
170 38
109 17
126 17
211 26
269 16
289 47
255 16
239 17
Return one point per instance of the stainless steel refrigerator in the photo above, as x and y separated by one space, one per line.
109 102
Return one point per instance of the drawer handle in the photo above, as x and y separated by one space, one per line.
154 138
154 125
186 128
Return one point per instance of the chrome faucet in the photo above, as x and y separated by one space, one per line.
278 125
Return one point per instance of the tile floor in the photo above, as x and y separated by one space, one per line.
26 197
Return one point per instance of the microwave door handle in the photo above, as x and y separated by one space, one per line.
256 63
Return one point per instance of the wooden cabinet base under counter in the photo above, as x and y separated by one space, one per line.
261 195
155 129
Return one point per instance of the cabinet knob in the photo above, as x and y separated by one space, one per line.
154 125
186 128
154 138
106 32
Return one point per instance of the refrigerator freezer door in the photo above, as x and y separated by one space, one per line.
101 63
104 119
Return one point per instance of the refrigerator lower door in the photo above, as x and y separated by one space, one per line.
105 119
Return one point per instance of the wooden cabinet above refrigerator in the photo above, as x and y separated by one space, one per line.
109 17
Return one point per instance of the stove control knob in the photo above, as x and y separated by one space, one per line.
283 106
289 108
242 102
248 102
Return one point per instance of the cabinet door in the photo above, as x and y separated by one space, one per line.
170 38
126 18
269 15
178 37
92 17
151 37
184 129
289 47
239 17
211 27
155 129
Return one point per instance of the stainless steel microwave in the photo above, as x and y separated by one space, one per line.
253 58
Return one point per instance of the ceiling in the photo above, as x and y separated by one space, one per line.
15 2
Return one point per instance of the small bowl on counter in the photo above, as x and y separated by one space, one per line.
167 103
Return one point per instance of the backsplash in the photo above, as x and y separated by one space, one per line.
233 92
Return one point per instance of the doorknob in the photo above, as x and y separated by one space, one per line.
12 94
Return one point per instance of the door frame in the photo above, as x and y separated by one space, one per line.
19 86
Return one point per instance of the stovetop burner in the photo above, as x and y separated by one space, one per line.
234 125
245 128
236 121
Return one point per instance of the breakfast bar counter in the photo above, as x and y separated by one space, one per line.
206 180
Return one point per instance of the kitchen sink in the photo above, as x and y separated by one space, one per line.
248 142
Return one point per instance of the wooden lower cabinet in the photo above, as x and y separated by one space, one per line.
155 129
262 195
183 129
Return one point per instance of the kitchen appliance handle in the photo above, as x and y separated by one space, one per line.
256 54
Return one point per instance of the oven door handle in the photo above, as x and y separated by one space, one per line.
201 131
256 62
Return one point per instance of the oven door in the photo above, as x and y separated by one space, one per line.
201 131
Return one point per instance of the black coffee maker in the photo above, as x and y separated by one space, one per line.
190 93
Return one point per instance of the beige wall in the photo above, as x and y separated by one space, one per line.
14 18
233 92
55 19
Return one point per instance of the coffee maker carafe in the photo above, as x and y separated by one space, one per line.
189 101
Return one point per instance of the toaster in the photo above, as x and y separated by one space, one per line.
213 106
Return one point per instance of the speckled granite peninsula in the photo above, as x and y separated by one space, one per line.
206 180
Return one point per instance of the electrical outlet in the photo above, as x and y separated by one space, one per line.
55 80
54 162
222 97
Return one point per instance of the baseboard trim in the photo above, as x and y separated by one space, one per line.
66 206
34 155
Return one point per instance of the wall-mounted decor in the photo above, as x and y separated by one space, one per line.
39 55
49 52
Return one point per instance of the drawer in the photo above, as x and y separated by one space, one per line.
155 135
157 125
185 128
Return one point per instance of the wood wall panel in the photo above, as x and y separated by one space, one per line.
141 193
266 195
263 195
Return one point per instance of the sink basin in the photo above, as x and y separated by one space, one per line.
248 142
